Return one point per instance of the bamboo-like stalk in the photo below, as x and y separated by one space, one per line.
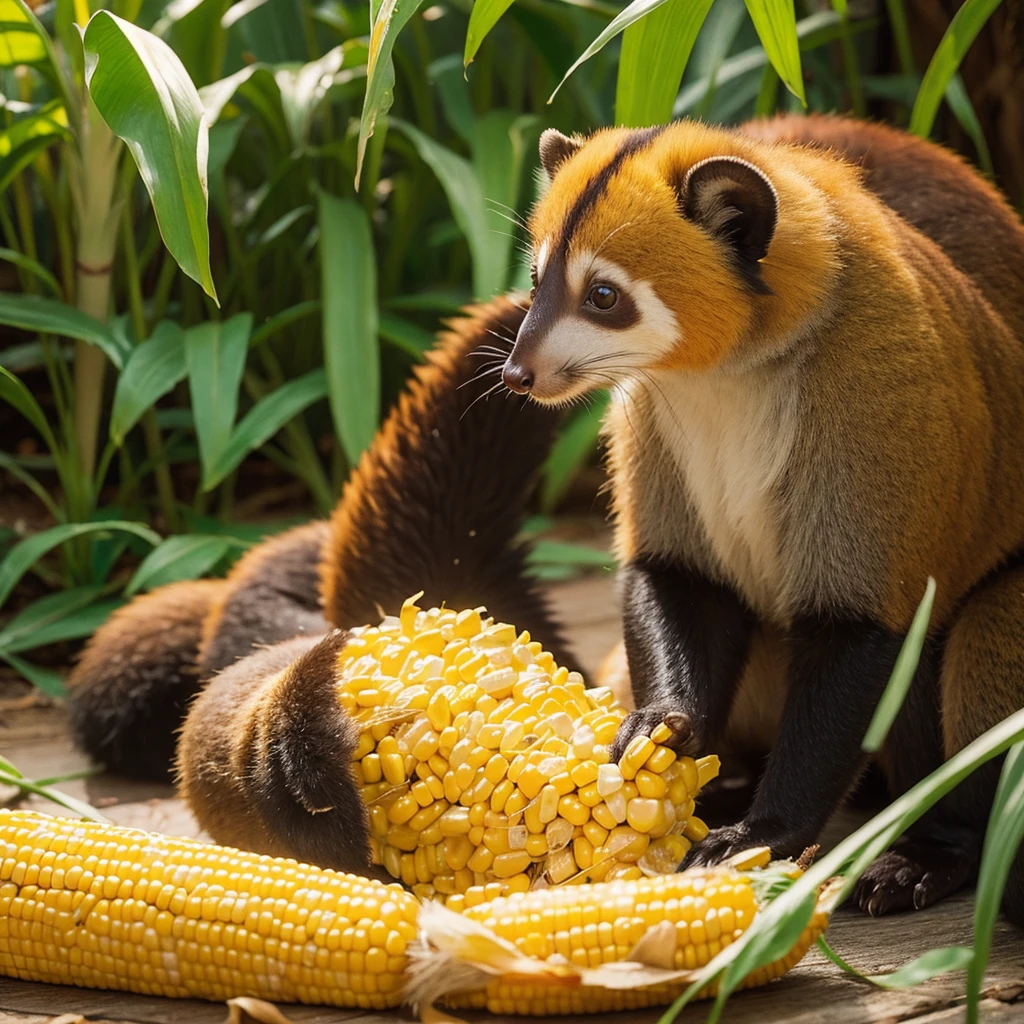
94 187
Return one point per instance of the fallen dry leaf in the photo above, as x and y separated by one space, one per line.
244 1010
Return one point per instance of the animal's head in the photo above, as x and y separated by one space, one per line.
650 249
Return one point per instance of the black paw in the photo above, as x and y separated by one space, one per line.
722 843
913 876
641 723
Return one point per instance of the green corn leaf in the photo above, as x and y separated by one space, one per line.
33 267
303 88
557 552
179 558
466 199
482 19
144 94
655 51
43 615
413 340
388 19
1002 841
963 110
775 21
27 137
12 467
153 368
266 418
23 40
574 446
48 316
500 144
43 679
925 967
17 395
963 30
215 356
630 14
26 553
902 674
348 275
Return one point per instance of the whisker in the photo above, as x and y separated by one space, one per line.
489 391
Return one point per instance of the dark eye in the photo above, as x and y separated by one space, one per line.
603 296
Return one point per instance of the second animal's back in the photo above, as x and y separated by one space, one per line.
932 189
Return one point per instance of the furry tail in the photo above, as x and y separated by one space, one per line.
436 502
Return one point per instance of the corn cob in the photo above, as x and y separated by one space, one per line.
486 766
94 905
610 946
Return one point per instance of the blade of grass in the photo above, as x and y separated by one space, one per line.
348 272
902 673
968 21
10 776
775 21
1002 842
655 51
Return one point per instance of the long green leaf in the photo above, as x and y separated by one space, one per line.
179 558
389 18
215 356
10 776
482 19
775 21
17 395
153 368
42 615
23 40
26 553
33 267
963 110
466 198
902 673
48 316
1002 843
968 21
922 968
27 137
655 51
45 679
281 320
145 96
266 418
626 17
348 276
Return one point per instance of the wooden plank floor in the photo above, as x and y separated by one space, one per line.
35 738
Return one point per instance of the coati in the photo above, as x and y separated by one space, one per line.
813 330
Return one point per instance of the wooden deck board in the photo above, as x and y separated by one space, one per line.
37 741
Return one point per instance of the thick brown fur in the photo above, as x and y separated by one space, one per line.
129 691
436 502
265 758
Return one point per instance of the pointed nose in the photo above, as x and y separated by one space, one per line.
517 378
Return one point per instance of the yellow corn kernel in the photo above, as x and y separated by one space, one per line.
650 784
695 830
659 759
661 733
633 757
243 914
513 863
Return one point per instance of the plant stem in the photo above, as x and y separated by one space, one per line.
97 241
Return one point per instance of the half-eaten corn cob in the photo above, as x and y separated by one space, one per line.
89 904
486 766
611 946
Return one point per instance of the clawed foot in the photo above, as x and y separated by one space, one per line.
915 875
643 721
722 843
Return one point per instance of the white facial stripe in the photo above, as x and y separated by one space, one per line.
656 319
577 354
542 257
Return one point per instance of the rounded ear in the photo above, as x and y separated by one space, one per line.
734 201
555 149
